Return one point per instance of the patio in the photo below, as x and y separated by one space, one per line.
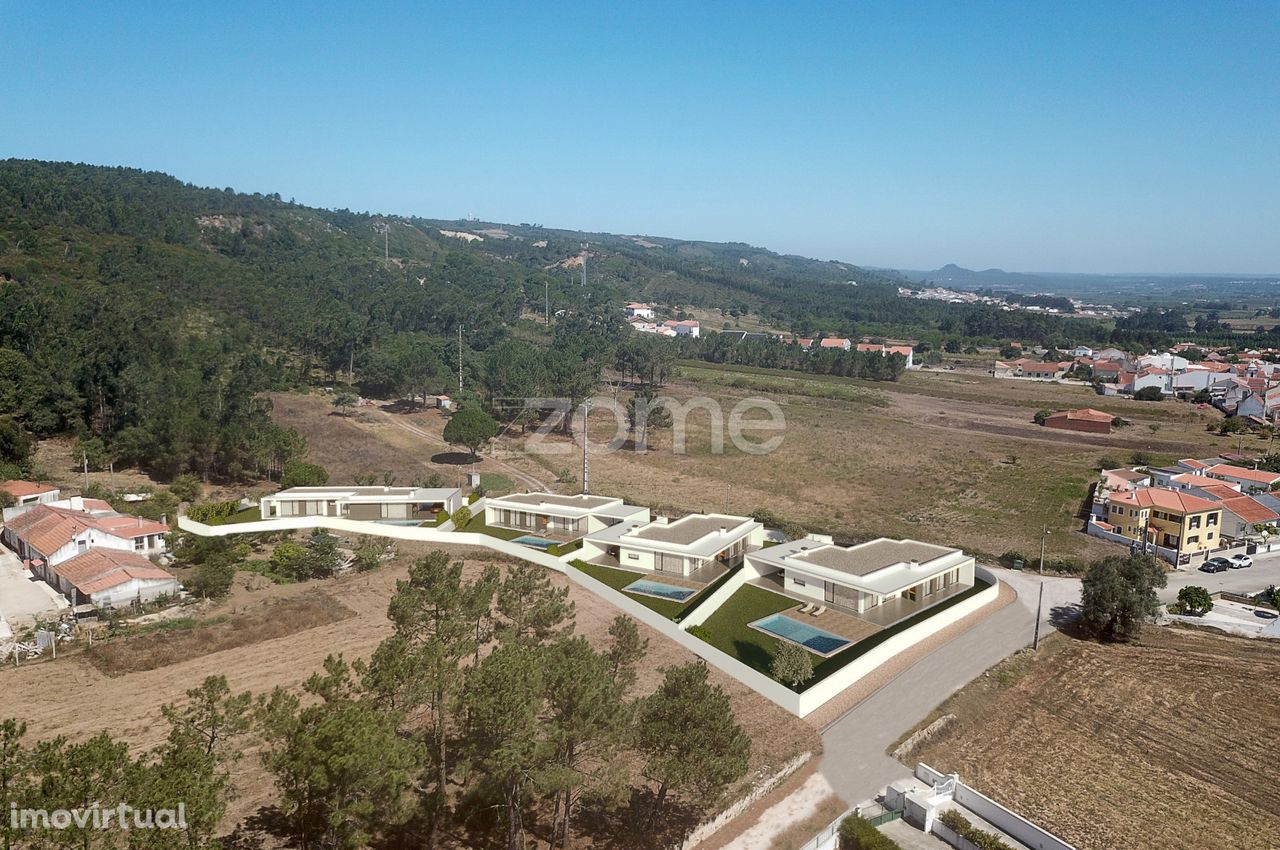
698 578
882 616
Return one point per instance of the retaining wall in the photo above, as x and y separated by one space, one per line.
1002 818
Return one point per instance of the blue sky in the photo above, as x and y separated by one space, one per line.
1070 136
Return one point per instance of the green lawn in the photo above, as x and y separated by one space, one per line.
494 484
478 526
618 579
247 515
730 632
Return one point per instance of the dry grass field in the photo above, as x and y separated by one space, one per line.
73 696
1168 742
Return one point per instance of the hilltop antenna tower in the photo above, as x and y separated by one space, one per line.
586 413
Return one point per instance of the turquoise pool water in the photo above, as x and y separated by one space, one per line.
656 588
535 542
810 637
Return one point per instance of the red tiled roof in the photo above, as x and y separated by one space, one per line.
1169 500
19 489
1084 414
1219 490
834 342
1249 510
100 569
1258 475
48 528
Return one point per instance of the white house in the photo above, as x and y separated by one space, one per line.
1082 351
885 350
868 575
685 327
565 517
638 310
1250 480
386 504
111 578
26 495
49 534
680 547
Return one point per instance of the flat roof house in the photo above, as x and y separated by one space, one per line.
700 546
375 504
887 579
559 517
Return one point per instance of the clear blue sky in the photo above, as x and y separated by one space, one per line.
1071 136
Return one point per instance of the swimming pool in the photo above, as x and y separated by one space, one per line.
644 587
535 542
810 637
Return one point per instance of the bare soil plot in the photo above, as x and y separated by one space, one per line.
1168 742
55 697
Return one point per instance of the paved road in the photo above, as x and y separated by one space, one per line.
854 759
1264 572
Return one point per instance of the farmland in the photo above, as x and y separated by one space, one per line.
1164 742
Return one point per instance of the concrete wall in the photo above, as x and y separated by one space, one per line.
798 704
997 815
817 696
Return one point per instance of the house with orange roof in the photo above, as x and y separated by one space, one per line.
1085 419
886 349
835 342
684 327
49 534
1250 480
111 578
1172 519
1242 514
638 310
30 492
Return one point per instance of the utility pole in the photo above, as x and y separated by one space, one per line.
1035 641
546 303
586 412
85 457
584 264
459 361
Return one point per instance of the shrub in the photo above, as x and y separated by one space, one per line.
211 579
462 517
213 513
1041 416
442 517
981 839
856 833
186 487
700 632
6 499
553 550
1149 394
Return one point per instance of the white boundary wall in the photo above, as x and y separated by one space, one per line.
1002 818
798 704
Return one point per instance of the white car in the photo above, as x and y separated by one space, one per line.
1240 561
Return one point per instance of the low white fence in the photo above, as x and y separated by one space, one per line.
1170 555
799 704
1001 817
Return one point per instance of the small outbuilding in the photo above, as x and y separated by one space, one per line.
1085 419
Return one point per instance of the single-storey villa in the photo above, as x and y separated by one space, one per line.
699 545
868 575
562 517
390 504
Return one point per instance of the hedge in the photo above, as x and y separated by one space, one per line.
857 833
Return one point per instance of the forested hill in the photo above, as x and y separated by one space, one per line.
145 314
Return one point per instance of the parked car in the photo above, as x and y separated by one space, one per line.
1239 562
1215 565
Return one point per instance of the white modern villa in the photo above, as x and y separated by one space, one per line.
559 517
385 504
687 547
901 577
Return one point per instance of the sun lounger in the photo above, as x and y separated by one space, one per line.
808 607
822 609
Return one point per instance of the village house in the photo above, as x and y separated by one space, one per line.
110 578
885 350
376 504
1240 515
1171 519
835 342
559 517
1250 480
684 327
30 493
638 310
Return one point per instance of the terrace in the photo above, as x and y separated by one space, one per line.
699 577
884 615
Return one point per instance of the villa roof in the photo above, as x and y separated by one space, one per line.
688 530
554 500
1249 509
834 342
867 558
1127 474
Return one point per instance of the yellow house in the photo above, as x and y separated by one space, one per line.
1169 518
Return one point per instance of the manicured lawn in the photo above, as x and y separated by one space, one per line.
478 526
618 579
730 632
247 515
494 484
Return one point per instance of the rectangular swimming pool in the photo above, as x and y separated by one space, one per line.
810 637
535 542
644 587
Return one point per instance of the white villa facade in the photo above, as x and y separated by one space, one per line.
567 517
862 577
679 547
403 504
